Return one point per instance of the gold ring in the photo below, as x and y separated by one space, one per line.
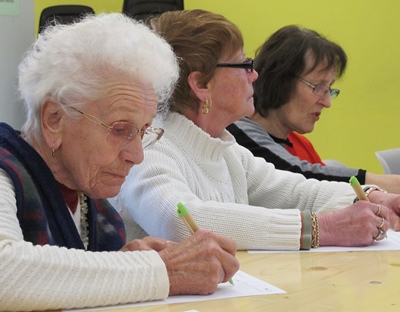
380 232
378 213
382 224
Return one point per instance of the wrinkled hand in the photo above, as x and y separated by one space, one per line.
392 201
198 264
356 225
147 243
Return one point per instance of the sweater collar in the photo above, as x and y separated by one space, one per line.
191 138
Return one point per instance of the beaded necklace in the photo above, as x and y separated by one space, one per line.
84 223
72 198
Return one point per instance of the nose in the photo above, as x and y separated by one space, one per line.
132 152
325 100
253 75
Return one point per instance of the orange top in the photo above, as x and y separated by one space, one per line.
303 149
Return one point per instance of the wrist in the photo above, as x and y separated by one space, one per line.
327 228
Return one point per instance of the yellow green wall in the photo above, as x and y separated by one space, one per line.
364 118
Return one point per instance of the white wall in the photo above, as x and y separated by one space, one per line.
16 35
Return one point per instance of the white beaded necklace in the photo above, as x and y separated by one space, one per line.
84 223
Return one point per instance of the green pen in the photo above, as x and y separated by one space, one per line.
184 214
357 189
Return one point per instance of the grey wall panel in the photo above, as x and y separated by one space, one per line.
17 33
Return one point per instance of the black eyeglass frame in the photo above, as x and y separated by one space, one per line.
248 65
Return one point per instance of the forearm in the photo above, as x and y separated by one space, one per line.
52 278
388 182
251 227
153 189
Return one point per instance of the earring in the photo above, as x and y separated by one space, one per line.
206 107
52 151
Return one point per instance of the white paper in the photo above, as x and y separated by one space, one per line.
245 285
391 242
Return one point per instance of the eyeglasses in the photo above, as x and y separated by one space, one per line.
125 130
321 89
248 65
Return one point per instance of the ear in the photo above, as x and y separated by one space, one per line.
201 91
52 115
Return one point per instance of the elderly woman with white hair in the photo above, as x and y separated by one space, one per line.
91 91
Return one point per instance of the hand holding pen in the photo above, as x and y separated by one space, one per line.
184 214
199 263
362 196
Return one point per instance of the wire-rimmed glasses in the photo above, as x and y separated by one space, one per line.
125 130
248 65
321 89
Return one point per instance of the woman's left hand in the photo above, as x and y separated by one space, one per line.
147 243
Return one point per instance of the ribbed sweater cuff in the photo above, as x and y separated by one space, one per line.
306 233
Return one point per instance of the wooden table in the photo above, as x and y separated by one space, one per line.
324 281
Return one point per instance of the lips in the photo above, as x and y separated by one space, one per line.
121 176
118 176
316 116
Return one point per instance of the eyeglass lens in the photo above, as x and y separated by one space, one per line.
126 131
321 90
122 131
151 136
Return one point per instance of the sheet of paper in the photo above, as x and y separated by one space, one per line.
392 242
245 285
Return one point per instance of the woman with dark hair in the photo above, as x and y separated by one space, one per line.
297 68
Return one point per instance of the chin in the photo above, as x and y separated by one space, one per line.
249 113
311 129
111 192
105 192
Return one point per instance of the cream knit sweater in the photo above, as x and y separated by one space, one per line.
225 188
51 278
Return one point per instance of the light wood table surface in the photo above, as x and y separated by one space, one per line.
324 281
